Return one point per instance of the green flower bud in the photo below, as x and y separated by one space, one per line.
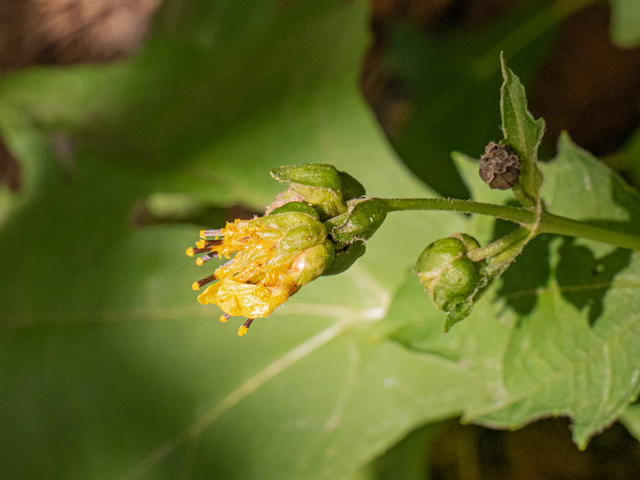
361 221
316 184
447 273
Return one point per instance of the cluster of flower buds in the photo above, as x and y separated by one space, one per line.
318 226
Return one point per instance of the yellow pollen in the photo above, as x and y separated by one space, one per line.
242 330
195 285
190 251
201 243
223 319
202 235
199 261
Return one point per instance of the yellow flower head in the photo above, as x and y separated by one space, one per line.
274 256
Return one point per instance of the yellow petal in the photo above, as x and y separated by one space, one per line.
246 300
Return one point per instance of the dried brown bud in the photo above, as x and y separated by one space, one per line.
499 166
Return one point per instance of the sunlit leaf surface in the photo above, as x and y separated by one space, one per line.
109 367
559 336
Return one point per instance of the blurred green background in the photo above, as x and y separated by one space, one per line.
128 127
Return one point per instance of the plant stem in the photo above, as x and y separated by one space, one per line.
565 226
512 214
548 224
500 245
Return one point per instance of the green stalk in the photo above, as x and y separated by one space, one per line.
512 214
549 223
500 245
565 226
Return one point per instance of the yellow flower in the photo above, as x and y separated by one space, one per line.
274 256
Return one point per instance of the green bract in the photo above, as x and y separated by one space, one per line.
300 225
359 223
295 207
447 273
345 258
317 184
351 188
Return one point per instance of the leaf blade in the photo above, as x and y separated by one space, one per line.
521 130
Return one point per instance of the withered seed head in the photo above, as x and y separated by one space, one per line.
499 166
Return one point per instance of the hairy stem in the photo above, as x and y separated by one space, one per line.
512 214
500 245
565 226
549 223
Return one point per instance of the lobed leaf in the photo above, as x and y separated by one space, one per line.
109 368
559 337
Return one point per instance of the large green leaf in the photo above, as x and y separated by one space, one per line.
560 336
108 366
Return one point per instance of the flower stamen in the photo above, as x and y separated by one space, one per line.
200 283
208 243
210 233
244 328
204 247
205 258
269 259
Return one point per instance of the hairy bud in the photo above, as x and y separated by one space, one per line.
446 271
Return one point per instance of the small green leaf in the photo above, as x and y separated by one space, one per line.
521 131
